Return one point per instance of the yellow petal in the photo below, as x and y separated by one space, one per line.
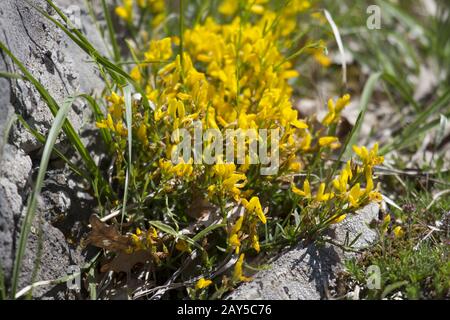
202 283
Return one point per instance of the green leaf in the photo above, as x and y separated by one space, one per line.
32 200
169 230
111 32
39 137
419 126
392 287
207 230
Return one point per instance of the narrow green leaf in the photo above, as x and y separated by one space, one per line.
419 125
169 230
390 288
39 137
111 32
32 200
207 230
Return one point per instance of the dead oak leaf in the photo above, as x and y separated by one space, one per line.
107 236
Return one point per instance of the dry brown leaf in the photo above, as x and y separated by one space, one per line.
124 262
107 236
200 207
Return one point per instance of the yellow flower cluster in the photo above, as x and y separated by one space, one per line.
346 187
114 120
234 75
127 10
144 240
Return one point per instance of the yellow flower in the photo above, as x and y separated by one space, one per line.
237 225
398 232
234 237
142 134
322 59
135 74
369 157
159 50
238 273
224 170
305 144
229 7
257 9
120 129
235 242
289 74
202 283
334 110
254 206
255 243
355 195
386 222
125 11
183 169
116 107
341 183
331 142
182 246
338 218
375 196
321 195
108 123
306 192
234 183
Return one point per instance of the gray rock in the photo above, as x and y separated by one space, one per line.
15 168
56 257
10 208
63 69
306 271
53 59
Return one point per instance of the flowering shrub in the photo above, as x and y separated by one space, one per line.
228 72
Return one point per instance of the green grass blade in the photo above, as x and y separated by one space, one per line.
413 130
32 201
169 230
39 137
111 32
4 74
207 230
392 287
403 88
